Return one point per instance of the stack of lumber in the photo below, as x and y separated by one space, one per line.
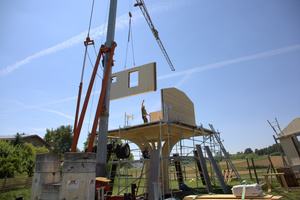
229 197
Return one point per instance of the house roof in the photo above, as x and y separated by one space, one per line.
36 140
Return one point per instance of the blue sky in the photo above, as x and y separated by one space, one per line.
238 61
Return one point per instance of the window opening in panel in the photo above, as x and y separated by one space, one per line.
133 79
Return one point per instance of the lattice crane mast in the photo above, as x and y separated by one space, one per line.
144 10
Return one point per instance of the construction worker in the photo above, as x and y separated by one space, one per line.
146 153
144 113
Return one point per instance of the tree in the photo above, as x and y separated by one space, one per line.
18 139
86 143
60 139
10 159
271 150
248 151
29 156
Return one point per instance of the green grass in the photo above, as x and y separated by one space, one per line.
12 194
201 189
197 189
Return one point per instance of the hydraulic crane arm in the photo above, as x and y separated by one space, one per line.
144 10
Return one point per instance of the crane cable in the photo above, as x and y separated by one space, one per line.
133 60
128 41
91 17
88 41
86 44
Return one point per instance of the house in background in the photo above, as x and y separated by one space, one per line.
35 140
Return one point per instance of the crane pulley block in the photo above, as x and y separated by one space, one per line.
88 41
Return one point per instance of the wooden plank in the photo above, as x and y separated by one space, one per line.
254 169
182 108
217 170
290 150
292 127
225 174
147 82
229 196
276 197
229 178
178 171
204 169
289 176
151 131
154 116
199 168
249 168
281 176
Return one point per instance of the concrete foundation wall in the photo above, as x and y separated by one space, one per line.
78 176
46 171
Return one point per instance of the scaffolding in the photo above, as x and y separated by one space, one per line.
161 134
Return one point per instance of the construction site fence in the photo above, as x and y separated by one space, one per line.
15 183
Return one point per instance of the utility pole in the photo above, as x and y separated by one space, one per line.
103 125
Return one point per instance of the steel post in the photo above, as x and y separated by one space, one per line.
103 125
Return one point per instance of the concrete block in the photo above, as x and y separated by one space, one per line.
46 172
50 191
78 167
44 157
80 157
78 176
47 166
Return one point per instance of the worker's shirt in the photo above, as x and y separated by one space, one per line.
144 112
145 153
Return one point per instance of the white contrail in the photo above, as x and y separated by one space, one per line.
58 47
122 22
188 72
59 113
25 107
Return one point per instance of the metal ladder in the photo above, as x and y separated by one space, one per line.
275 126
216 134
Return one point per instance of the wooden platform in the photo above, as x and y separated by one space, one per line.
229 197
151 131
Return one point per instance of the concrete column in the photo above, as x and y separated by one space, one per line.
46 172
78 176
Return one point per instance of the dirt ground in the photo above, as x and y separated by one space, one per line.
241 166
276 160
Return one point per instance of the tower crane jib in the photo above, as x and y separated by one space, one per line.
144 10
